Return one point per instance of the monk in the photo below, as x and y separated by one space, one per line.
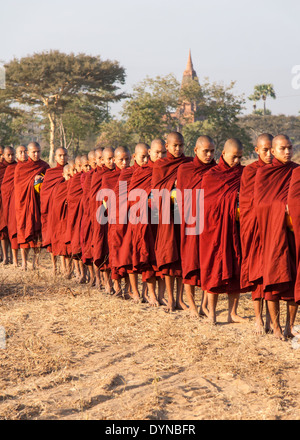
189 178
277 240
143 233
52 177
123 260
74 219
167 244
110 181
9 164
219 244
28 177
86 222
3 232
251 266
58 221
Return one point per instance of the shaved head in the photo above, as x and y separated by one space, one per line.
232 152
122 157
61 156
205 149
21 153
108 158
85 163
282 148
175 144
264 146
92 159
9 154
157 150
141 154
34 151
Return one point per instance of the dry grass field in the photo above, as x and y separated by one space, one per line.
74 353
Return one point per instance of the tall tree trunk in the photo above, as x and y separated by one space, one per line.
51 117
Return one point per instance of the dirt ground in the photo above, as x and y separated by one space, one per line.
72 352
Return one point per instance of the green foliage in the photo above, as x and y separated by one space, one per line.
262 91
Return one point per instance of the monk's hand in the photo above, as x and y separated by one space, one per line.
287 209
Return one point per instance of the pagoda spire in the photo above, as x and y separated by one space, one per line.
189 71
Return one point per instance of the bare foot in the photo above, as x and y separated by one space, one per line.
152 300
235 319
180 305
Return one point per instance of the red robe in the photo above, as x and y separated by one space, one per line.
143 234
86 223
219 243
277 241
58 220
99 231
251 266
74 214
3 228
52 177
294 211
8 217
167 243
109 182
27 202
189 177
121 246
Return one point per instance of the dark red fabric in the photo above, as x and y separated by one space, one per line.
189 177
52 177
167 243
27 201
121 246
3 228
294 211
219 243
251 266
8 217
277 241
74 213
58 220
86 222
99 231
142 235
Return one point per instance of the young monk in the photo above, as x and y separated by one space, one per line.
167 244
86 223
9 164
99 244
123 232
219 243
52 177
277 241
27 202
143 233
74 219
122 158
251 266
58 221
189 177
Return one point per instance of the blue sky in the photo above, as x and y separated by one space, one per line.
250 42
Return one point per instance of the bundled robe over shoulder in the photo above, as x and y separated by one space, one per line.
27 202
167 243
52 177
277 241
251 267
8 218
189 177
294 211
219 251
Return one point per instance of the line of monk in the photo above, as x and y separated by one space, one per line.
230 229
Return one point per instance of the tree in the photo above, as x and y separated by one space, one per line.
263 91
49 81
148 111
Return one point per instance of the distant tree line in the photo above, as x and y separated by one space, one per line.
63 99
